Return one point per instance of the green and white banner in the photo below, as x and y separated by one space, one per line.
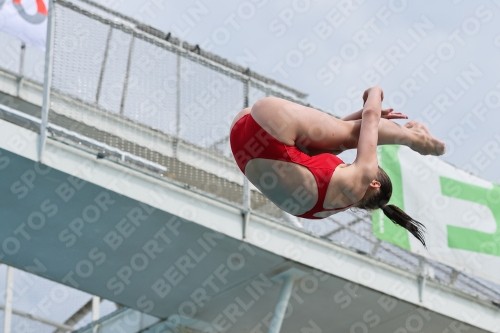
460 211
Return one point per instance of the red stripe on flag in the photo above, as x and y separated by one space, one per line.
41 7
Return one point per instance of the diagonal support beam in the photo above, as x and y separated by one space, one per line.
346 226
178 324
76 317
119 321
288 277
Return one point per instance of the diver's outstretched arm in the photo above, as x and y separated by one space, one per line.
386 114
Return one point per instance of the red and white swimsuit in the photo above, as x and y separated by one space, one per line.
249 140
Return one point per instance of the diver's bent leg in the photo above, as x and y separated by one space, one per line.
314 131
414 135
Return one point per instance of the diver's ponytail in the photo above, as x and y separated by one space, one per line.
399 217
393 213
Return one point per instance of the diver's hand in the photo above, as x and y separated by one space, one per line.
370 90
390 114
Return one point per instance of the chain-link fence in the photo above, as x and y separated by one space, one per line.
155 97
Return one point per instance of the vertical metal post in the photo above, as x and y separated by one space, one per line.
127 73
8 300
178 105
279 311
96 302
375 247
421 278
22 56
246 184
47 81
103 66
246 204
96 311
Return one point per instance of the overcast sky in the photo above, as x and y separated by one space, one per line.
437 61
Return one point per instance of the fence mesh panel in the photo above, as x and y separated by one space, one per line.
146 98
78 53
112 75
209 101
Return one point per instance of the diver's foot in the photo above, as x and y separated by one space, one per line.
426 144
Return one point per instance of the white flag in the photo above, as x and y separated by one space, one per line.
25 19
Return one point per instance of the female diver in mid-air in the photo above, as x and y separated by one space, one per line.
288 152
